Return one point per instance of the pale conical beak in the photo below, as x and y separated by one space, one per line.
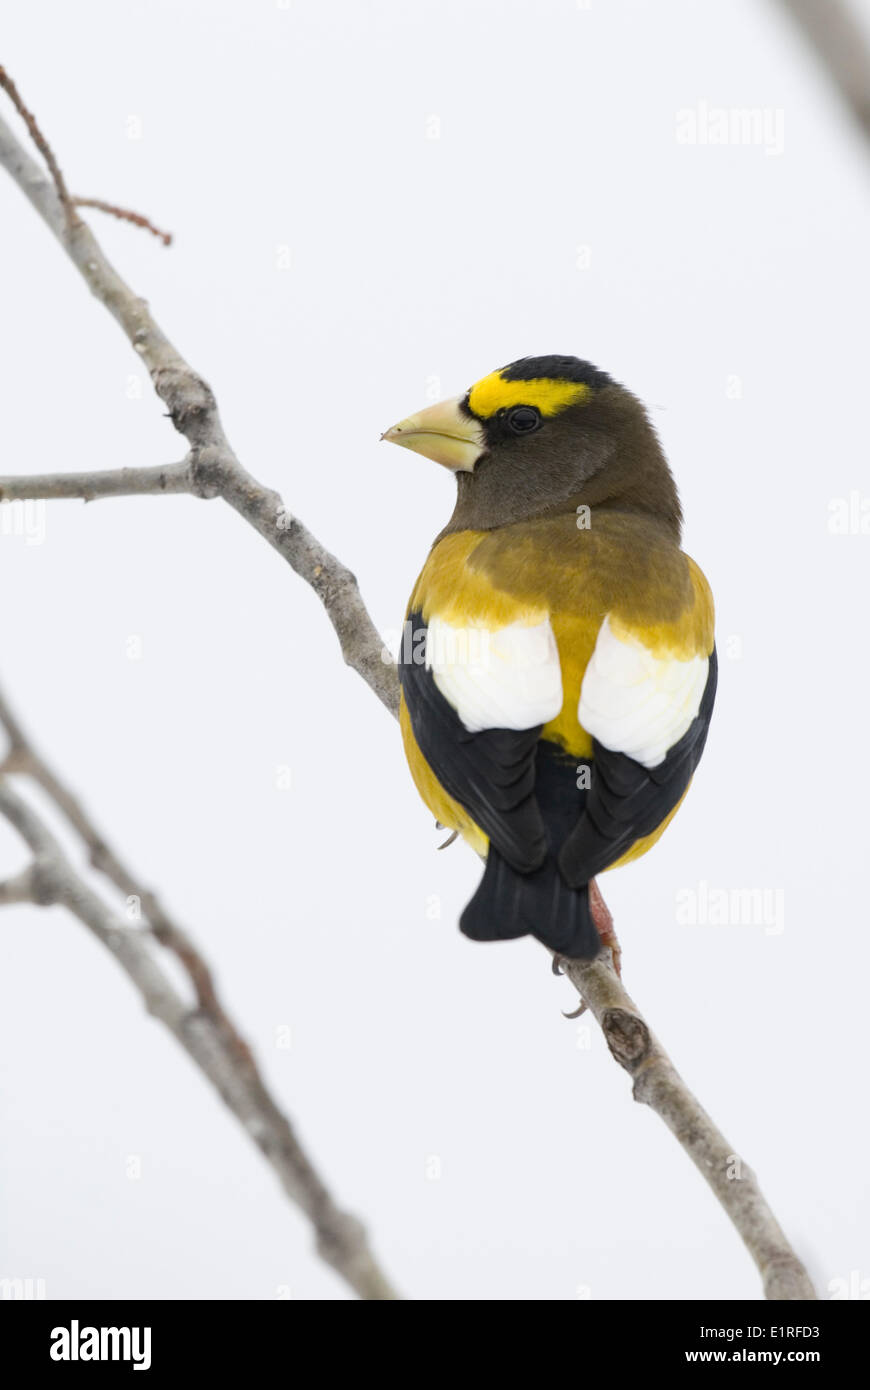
442 432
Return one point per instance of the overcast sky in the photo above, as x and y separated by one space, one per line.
374 203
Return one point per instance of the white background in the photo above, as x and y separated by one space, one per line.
306 126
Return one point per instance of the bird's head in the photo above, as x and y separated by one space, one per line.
540 437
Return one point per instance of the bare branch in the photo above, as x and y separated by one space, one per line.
22 888
213 467
658 1085
841 46
23 757
207 1036
109 482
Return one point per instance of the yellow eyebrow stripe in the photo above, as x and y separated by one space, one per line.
494 393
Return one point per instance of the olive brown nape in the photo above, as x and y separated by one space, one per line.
560 433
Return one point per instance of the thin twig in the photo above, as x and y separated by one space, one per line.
41 144
205 1031
125 215
71 203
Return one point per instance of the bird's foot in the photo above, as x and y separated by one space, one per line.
603 919
454 835
558 968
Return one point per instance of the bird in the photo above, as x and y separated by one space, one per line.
557 663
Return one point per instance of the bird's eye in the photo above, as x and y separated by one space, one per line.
523 419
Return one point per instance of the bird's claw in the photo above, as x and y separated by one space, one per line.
575 1013
558 968
603 920
454 835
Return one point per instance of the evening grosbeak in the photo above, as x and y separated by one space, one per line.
557 666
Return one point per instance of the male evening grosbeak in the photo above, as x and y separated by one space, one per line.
557 669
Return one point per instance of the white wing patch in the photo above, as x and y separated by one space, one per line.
506 679
637 703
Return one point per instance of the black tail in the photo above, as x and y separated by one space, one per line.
509 904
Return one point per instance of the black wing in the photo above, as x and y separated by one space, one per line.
627 801
491 774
